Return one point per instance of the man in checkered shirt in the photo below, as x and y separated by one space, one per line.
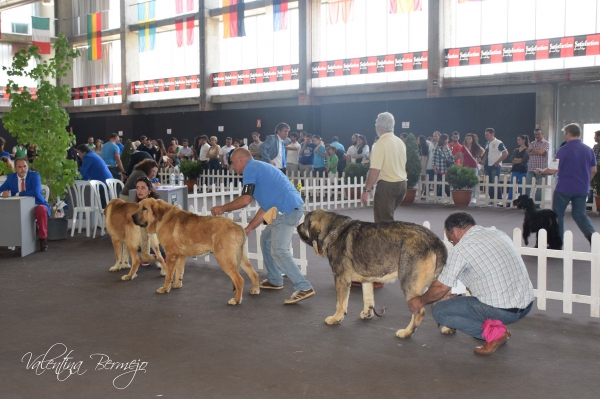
488 263
538 159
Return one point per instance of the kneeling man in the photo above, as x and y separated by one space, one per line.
488 263
26 183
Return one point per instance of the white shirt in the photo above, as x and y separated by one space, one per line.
203 150
224 151
430 155
293 156
278 160
352 151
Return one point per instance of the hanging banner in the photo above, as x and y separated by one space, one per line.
4 94
257 75
532 50
165 84
97 91
367 65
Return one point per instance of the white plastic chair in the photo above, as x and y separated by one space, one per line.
96 184
78 194
45 192
112 187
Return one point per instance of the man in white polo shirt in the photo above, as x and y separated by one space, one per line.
388 170
495 153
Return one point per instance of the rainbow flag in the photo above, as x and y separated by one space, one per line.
94 36
147 25
405 6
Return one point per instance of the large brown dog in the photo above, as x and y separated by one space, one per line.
374 252
126 237
185 234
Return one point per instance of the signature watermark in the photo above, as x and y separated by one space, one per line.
58 360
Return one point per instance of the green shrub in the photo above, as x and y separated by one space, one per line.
191 169
353 170
413 161
461 177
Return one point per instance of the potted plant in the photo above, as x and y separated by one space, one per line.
462 180
352 173
596 188
413 168
42 120
192 170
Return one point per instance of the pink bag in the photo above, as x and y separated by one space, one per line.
492 330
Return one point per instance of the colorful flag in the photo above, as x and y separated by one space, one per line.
280 15
41 34
189 30
179 32
147 26
233 18
94 36
335 8
405 6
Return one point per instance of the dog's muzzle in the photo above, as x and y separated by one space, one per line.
135 221
303 236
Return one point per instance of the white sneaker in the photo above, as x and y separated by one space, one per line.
473 200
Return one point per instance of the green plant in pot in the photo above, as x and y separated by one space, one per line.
351 172
462 180
413 167
192 170
43 120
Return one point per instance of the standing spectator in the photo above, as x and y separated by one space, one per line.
442 160
335 141
306 156
270 188
161 153
224 152
362 149
32 154
19 151
98 147
429 169
120 145
495 153
2 152
456 147
94 168
424 153
318 165
596 150
519 162
202 150
332 163
146 146
352 149
214 164
292 155
173 152
273 149
26 183
185 152
538 159
255 145
470 156
576 168
90 143
436 138
388 170
112 157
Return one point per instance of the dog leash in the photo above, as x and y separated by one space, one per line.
377 314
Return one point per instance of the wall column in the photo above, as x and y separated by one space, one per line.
129 54
435 52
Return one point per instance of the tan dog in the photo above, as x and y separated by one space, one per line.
126 237
185 234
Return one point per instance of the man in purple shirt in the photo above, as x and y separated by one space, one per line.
576 168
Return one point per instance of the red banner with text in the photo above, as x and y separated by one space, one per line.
255 75
374 64
96 91
165 84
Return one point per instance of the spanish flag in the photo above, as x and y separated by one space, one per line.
94 36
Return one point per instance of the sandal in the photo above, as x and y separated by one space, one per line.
299 296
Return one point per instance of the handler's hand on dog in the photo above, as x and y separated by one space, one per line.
216 210
415 304
365 197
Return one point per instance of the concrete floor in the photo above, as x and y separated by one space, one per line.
196 346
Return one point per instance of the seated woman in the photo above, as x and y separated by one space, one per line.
144 189
147 168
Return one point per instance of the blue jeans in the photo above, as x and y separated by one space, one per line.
559 205
439 187
538 181
275 244
467 314
494 173
519 177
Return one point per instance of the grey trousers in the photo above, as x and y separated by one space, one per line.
387 198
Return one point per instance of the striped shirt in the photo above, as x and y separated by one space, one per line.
487 262
538 161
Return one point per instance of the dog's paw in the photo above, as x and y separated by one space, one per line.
233 302
366 315
115 268
177 284
331 320
125 266
162 290
127 277
403 333
447 330
255 291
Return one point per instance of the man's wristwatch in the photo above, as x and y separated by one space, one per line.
365 190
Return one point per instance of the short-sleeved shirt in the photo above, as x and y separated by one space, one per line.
538 161
494 150
94 168
389 156
487 262
254 147
109 149
271 187
306 158
186 151
575 160
352 151
202 153
338 145
469 159
319 161
224 151
430 159
456 148
293 156
332 160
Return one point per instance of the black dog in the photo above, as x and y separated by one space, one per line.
536 219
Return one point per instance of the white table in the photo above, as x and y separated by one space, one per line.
18 220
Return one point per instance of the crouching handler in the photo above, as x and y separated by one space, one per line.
487 262
272 189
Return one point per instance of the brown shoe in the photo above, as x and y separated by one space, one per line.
268 286
490 347
299 296
43 245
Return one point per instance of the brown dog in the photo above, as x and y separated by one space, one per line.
185 234
126 237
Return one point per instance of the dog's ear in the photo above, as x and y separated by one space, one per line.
158 209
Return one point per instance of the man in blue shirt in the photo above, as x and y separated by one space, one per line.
112 156
319 158
271 188
335 141
306 155
93 168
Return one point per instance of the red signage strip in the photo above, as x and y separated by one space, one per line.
97 91
256 75
560 47
4 94
366 65
165 84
